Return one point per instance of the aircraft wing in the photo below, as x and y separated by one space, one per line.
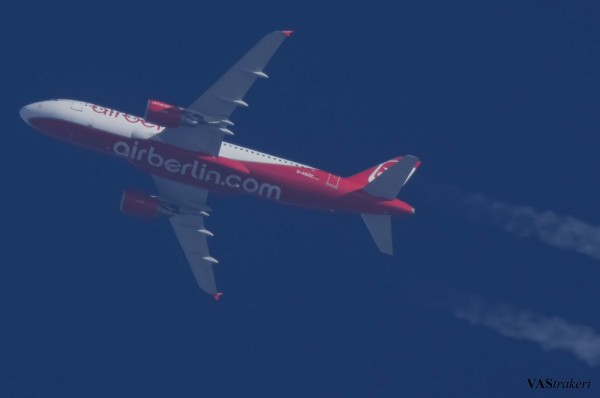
217 104
188 225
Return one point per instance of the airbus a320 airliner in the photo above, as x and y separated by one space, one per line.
184 151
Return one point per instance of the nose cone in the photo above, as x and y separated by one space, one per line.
30 111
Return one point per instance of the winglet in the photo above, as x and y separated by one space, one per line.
287 33
217 296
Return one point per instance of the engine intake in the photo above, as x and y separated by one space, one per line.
141 205
168 115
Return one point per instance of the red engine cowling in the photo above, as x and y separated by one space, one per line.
168 115
139 204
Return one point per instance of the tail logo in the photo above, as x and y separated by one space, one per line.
379 170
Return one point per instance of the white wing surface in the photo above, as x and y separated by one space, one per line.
217 104
188 225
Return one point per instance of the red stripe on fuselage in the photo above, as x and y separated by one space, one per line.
285 183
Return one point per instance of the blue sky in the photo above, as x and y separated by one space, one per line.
498 99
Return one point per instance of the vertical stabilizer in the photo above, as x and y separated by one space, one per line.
387 185
380 227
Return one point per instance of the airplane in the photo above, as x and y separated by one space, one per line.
184 151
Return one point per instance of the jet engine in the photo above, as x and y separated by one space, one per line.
168 115
141 205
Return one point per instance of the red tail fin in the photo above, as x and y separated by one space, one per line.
368 175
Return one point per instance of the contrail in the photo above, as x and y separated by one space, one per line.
550 333
564 232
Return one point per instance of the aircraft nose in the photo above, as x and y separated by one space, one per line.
29 111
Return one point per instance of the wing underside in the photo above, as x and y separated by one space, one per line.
213 109
188 224
195 248
217 103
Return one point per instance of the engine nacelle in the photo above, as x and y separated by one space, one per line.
140 205
168 115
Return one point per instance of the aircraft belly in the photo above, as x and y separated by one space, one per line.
293 184
299 185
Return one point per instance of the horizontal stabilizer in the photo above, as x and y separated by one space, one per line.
380 227
387 185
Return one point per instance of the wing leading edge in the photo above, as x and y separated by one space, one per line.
218 102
